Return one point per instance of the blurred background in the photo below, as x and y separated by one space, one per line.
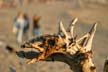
50 12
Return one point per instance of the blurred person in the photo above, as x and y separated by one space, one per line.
18 28
14 4
26 26
36 26
1 3
23 2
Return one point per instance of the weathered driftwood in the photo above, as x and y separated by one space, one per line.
65 47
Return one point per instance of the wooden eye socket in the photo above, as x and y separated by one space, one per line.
51 42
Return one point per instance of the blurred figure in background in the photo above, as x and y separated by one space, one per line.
26 26
36 26
18 29
14 3
1 3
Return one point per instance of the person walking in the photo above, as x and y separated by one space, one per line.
36 26
18 28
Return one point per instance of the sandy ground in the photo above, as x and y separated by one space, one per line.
51 14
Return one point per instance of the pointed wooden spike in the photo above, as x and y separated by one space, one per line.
93 29
59 30
90 39
63 29
72 26
65 33
74 21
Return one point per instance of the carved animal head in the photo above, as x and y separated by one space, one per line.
77 51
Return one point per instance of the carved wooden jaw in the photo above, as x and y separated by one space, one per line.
46 45
75 52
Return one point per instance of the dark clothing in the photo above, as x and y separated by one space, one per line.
26 27
27 22
35 24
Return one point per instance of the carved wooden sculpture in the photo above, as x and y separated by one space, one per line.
65 47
